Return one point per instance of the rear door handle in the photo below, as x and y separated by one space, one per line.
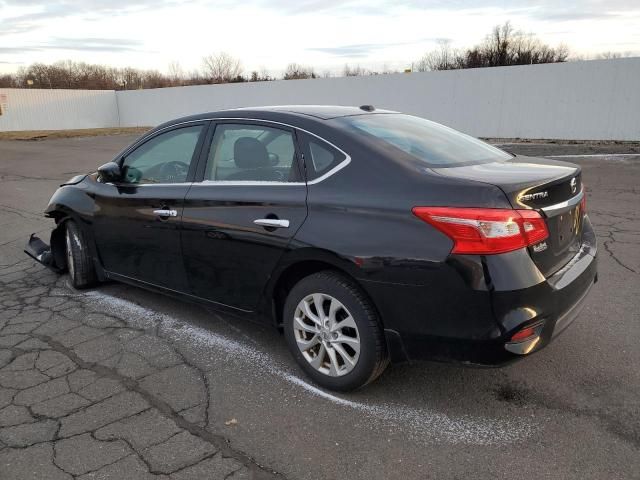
166 213
272 222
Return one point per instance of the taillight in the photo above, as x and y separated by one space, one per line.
583 202
486 231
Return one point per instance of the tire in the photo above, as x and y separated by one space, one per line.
79 264
332 358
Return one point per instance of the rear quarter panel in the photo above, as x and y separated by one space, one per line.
363 216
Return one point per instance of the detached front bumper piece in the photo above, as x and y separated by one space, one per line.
41 252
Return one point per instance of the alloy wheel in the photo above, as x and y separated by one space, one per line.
326 334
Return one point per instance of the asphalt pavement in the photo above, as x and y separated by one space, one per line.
118 382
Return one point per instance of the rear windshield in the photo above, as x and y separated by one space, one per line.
430 142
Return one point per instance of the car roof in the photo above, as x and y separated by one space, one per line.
324 112
315 112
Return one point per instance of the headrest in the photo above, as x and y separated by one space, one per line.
249 152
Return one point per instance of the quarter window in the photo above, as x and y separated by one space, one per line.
165 158
252 153
320 157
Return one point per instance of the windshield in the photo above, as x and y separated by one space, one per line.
430 142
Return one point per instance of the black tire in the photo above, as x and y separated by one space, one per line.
79 264
373 357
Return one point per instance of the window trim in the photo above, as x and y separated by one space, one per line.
193 164
199 176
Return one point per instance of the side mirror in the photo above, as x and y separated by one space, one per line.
110 172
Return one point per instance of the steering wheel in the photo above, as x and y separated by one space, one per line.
174 171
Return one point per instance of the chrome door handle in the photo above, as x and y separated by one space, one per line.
166 213
272 222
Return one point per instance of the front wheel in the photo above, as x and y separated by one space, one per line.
333 332
79 264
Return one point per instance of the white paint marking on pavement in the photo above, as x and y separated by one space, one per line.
421 424
603 155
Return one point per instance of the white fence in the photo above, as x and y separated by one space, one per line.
27 109
595 100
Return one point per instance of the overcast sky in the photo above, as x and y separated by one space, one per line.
270 34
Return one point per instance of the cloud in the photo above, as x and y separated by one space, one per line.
93 44
67 8
15 50
546 10
552 15
301 7
79 44
366 49
88 5
361 50
570 9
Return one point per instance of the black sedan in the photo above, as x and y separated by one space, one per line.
368 236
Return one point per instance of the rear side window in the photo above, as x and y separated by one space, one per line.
320 157
253 153
428 142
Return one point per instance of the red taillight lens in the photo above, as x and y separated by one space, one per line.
486 231
583 202
523 334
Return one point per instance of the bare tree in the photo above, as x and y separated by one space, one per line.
562 53
260 76
265 75
176 74
503 46
386 70
507 46
221 68
131 79
442 58
195 78
80 75
497 45
608 55
295 71
356 71
154 79
8 81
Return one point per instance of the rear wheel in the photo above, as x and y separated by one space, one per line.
333 332
79 264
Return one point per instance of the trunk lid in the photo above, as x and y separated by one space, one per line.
551 187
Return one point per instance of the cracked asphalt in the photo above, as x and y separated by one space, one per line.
120 383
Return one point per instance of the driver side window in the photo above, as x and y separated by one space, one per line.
163 159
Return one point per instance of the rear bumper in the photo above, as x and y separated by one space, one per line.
553 304
476 326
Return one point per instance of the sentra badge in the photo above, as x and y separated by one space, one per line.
534 196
